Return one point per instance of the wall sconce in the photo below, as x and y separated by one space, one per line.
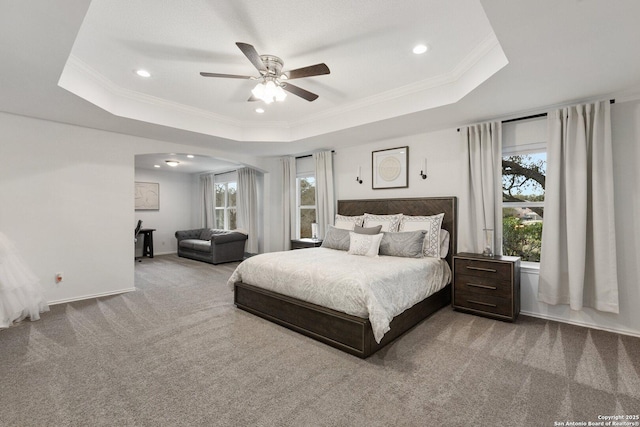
358 179
423 172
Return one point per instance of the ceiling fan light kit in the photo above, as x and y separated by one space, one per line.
271 87
269 90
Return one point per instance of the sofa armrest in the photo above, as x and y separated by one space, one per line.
228 237
188 234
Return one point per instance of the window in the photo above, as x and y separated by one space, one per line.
523 186
226 205
306 203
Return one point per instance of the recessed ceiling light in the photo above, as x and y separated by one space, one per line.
172 163
259 110
191 156
419 49
143 73
156 166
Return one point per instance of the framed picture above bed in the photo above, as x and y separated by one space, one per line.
390 168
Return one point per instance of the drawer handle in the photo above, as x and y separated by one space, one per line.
490 270
481 303
475 285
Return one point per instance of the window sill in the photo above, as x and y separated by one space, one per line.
529 267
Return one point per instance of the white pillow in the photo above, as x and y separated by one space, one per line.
364 244
430 224
348 222
389 223
444 243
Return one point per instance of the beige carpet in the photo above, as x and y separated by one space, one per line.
177 352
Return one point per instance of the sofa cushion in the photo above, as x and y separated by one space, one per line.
196 245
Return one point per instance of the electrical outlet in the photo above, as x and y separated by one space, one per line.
59 277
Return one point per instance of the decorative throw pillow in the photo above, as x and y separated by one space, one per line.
431 224
348 222
388 222
336 238
364 244
206 234
406 244
444 243
370 230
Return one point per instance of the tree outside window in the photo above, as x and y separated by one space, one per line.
306 204
226 205
523 187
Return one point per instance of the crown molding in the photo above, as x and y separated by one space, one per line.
477 66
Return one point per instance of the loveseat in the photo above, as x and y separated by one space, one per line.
211 245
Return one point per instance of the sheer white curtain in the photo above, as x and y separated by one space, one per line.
288 165
207 201
324 190
481 206
578 257
247 207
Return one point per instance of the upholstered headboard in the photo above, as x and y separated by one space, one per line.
412 206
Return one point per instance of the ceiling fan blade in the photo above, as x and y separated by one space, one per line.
252 54
299 92
252 98
227 76
312 70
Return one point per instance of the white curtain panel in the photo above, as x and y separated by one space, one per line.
207 201
481 206
247 207
324 190
578 258
288 165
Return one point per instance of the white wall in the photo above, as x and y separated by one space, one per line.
67 202
176 209
442 151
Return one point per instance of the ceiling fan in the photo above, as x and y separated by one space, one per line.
273 82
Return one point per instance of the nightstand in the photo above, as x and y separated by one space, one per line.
488 286
305 243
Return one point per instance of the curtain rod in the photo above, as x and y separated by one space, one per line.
535 116
309 155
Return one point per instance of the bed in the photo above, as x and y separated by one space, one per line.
353 333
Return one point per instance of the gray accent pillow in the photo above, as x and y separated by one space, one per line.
406 244
367 230
206 234
336 238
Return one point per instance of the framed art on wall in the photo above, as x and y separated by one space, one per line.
390 168
147 196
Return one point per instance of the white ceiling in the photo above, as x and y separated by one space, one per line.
374 74
488 59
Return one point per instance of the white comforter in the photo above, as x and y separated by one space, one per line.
379 288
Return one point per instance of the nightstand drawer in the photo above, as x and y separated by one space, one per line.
484 285
487 269
483 302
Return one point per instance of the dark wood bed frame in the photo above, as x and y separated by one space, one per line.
353 334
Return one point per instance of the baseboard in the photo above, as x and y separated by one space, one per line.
583 324
103 294
165 253
155 253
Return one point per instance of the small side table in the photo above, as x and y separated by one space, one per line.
147 243
488 286
305 243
